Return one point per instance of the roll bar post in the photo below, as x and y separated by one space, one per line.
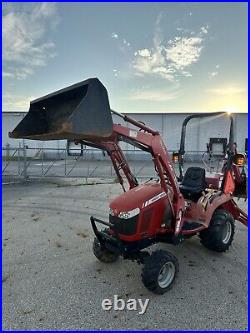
183 135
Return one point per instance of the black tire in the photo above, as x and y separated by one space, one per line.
220 233
102 253
152 268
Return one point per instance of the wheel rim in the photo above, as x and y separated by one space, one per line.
227 232
166 274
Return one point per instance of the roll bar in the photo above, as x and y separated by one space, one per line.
202 115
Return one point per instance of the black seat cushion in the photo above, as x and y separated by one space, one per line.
193 183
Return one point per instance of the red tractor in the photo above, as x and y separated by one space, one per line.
169 209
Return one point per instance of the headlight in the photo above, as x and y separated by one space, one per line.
128 215
123 215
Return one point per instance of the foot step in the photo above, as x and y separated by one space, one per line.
191 225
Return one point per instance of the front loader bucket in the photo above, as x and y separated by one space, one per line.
80 111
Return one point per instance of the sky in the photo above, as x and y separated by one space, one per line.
152 57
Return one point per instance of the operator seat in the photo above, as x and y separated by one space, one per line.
193 183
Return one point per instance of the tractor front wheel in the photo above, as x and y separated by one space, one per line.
159 271
219 235
102 253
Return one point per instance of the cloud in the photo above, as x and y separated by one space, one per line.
143 53
18 73
24 45
16 102
8 74
212 74
155 95
114 35
227 90
123 44
115 71
183 51
171 59
204 29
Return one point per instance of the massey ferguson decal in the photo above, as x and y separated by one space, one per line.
154 199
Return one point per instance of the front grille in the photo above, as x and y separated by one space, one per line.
124 226
146 219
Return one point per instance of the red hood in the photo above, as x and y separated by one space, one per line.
138 197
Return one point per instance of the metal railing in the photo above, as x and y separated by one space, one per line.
27 162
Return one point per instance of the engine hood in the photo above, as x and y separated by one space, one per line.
138 197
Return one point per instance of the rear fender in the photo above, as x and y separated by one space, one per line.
226 202
237 213
204 209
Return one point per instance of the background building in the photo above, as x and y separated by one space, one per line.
199 131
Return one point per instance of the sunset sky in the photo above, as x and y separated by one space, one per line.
152 57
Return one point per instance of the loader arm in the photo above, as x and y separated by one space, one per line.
150 141
117 158
147 140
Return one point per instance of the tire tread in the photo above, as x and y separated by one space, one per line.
210 237
151 269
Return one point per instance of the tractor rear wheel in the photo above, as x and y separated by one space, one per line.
159 271
102 253
219 235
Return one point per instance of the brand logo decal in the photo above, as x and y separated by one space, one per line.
154 199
